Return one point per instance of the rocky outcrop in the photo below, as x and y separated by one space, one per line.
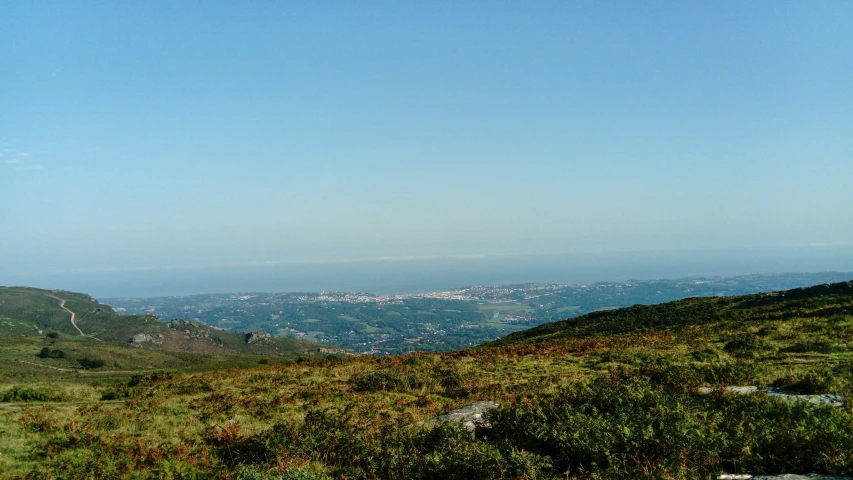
337 351
469 417
786 476
181 324
257 337
782 394
142 338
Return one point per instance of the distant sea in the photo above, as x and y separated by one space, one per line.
395 276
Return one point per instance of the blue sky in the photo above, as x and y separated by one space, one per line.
169 134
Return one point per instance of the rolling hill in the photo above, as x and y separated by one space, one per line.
759 384
38 338
30 311
817 301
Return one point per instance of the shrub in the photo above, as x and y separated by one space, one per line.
809 347
115 393
48 353
767 330
247 472
193 386
451 381
149 378
744 347
622 428
27 394
705 355
809 384
379 380
90 363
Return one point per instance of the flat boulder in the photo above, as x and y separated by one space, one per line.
257 337
782 394
785 476
469 417
141 338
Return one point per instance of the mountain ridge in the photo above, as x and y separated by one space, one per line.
29 311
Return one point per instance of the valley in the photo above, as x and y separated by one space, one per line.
438 321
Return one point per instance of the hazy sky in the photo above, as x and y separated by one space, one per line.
146 134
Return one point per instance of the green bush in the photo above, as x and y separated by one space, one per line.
744 347
115 393
27 394
148 379
90 363
809 347
808 384
48 353
767 330
379 380
705 355
620 428
451 381
247 472
739 372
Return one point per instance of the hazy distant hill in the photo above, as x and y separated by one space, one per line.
817 301
35 312
444 320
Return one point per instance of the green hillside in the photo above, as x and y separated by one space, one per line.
636 393
34 312
818 301
38 341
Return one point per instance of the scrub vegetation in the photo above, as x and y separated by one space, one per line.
612 394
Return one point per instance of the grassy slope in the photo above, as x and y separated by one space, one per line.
31 311
816 301
608 395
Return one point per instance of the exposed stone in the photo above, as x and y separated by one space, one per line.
141 338
469 417
255 337
786 476
337 351
181 324
792 476
782 394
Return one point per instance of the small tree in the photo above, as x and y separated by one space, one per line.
89 363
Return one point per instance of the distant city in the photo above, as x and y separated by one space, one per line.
441 320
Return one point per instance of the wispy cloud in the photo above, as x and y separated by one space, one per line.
26 167
19 160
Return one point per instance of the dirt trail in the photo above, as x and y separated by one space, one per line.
82 372
73 315
43 366
62 306
58 403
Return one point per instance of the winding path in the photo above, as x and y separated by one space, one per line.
62 306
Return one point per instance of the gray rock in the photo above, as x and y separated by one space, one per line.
786 476
140 338
791 476
257 337
469 417
782 394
